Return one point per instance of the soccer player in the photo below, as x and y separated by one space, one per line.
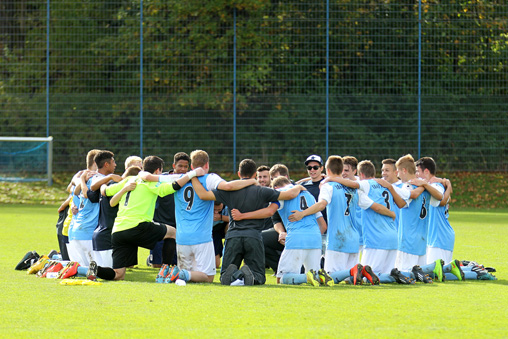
303 241
349 172
165 213
414 221
274 237
441 236
220 226
243 239
88 211
133 225
194 217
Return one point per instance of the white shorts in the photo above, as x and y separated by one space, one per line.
103 258
200 258
434 253
381 261
81 251
405 261
291 261
362 247
340 261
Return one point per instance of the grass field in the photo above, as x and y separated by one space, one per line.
138 307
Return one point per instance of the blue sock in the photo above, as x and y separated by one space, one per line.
468 275
466 268
340 275
428 269
447 268
385 278
294 279
408 274
82 270
184 275
56 257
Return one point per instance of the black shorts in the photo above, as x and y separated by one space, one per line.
218 233
126 243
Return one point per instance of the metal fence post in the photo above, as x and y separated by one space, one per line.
141 79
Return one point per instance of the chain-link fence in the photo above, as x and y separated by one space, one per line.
271 81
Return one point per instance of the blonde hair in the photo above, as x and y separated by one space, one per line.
280 181
199 158
131 160
407 162
90 158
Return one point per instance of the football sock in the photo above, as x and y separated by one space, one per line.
340 275
447 268
82 270
408 274
106 273
294 279
428 269
385 278
184 275
168 251
468 275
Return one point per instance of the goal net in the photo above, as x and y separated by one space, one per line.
26 159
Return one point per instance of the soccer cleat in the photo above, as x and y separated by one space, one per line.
248 277
172 275
91 274
68 271
356 273
163 272
55 268
485 276
325 279
438 270
370 275
28 260
39 265
401 278
52 253
420 276
225 278
456 270
42 272
312 278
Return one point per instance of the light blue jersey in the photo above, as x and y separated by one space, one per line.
441 234
356 215
341 235
194 217
87 218
75 201
399 184
305 233
379 231
414 224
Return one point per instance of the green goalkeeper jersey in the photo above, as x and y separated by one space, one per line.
137 206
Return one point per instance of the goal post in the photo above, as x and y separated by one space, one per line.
26 159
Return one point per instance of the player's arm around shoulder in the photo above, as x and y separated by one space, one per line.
202 193
291 193
299 215
381 209
130 186
262 213
235 185
111 190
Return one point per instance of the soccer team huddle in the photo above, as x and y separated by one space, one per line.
339 224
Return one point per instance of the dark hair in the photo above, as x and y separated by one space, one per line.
427 163
367 168
152 163
335 164
247 168
102 157
389 161
181 156
351 161
263 168
132 171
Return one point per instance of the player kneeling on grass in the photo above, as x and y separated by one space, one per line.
303 240
133 225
